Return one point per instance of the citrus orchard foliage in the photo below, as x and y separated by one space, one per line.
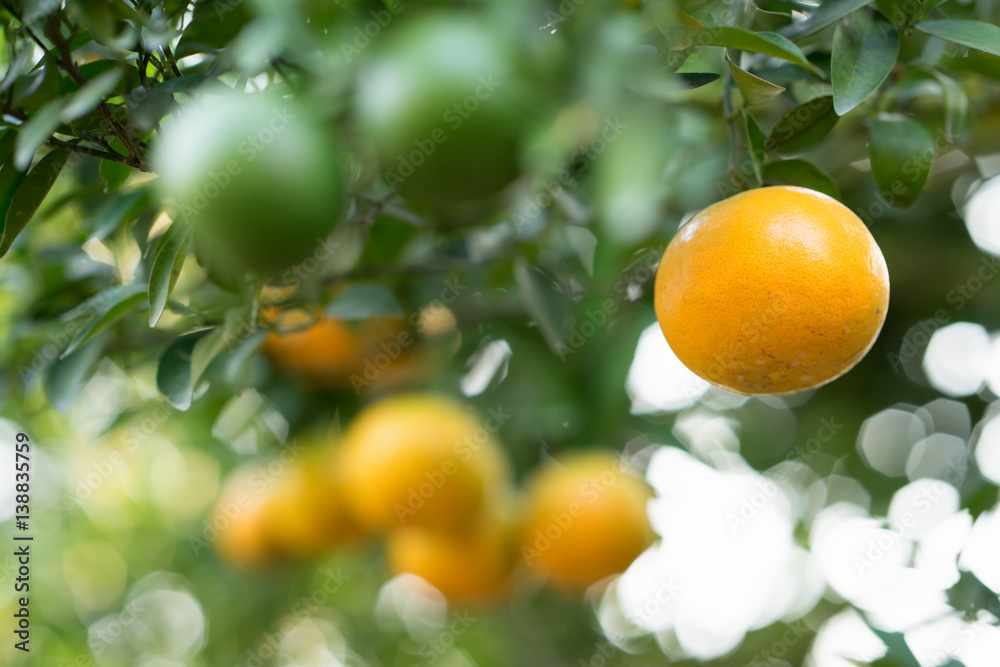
303 298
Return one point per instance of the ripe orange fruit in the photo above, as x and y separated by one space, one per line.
331 354
423 460
468 566
772 291
583 519
306 513
236 519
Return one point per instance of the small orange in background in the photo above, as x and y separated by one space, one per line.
583 519
423 460
377 353
306 513
469 566
772 291
236 521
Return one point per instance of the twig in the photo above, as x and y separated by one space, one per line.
137 158
93 152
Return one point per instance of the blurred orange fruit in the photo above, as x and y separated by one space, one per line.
378 353
237 519
423 460
306 513
584 519
469 566
772 291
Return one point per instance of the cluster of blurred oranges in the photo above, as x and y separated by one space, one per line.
430 477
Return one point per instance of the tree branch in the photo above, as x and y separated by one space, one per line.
137 158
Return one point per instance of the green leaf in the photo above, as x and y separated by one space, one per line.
240 362
956 106
213 25
114 174
691 80
756 145
102 310
864 52
756 91
236 327
36 132
543 302
804 126
10 180
7 140
66 377
901 151
119 209
826 14
768 43
171 250
803 173
898 652
93 93
973 34
173 375
363 300
29 196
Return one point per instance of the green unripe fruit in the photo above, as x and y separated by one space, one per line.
258 175
446 108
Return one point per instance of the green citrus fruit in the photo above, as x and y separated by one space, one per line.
445 106
259 176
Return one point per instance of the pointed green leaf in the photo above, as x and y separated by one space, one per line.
67 376
29 196
957 121
756 91
826 14
173 375
10 180
973 34
756 145
363 300
171 250
768 43
102 310
864 52
691 80
211 29
36 132
802 173
804 126
93 93
7 145
547 307
235 327
901 151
